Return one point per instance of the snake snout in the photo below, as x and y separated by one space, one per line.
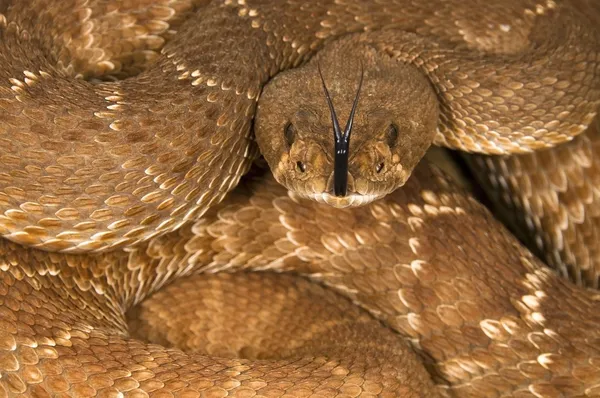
350 189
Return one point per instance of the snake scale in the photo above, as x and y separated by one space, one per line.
130 266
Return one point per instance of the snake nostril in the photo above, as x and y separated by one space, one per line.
380 167
300 166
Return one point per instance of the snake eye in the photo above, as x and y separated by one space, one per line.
289 131
392 135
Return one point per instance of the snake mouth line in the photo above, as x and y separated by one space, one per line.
340 202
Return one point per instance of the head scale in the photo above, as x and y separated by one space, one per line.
341 140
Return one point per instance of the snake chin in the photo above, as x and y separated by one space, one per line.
340 202
317 184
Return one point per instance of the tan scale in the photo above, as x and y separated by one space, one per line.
486 317
551 198
132 165
102 165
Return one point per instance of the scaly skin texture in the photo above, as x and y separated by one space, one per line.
100 166
487 318
285 317
552 199
142 164
395 123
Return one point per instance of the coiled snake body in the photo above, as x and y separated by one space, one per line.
115 189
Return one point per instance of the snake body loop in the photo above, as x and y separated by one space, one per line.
99 166
126 271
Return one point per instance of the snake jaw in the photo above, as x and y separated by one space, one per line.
340 202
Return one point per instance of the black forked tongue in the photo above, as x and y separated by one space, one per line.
341 140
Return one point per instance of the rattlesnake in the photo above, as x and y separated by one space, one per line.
116 189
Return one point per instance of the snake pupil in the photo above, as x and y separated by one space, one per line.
380 167
290 134
301 167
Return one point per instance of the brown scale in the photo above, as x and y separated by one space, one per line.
430 263
550 198
105 165
97 165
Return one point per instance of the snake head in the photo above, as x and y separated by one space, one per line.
391 111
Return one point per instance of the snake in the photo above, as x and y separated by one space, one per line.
143 255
